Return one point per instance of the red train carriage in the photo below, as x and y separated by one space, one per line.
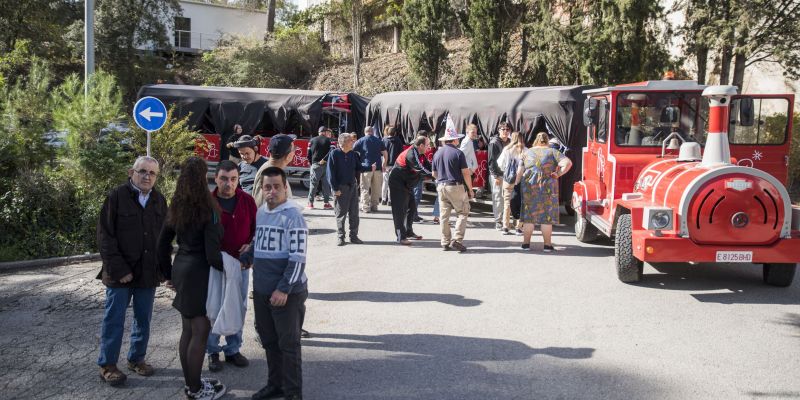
213 111
680 172
556 110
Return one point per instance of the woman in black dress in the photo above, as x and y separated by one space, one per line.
193 217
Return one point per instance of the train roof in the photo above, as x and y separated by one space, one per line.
664 85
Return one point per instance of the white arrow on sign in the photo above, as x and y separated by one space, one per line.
147 114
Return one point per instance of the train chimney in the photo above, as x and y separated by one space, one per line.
717 149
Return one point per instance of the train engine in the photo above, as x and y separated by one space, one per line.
699 206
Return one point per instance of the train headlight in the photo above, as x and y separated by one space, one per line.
657 218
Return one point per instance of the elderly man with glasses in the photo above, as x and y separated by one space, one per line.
127 231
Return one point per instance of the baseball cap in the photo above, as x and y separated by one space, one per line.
323 129
280 145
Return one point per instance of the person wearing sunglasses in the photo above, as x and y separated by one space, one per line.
130 221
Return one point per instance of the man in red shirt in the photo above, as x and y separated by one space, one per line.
239 222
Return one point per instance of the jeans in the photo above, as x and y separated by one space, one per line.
232 342
279 331
497 201
318 177
385 187
435 211
117 301
417 197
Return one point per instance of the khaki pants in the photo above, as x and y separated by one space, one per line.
508 192
371 183
453 198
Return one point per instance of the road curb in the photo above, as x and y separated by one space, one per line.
47 262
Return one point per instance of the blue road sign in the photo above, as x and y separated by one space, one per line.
150 113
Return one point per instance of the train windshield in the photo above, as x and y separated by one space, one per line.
646 119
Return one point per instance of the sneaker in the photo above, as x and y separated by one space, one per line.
548 248
506 231
374 209
498 227
304 334
142 368
341 242
310 206
436 220
112 375
208 391
418 219
446 247
268 392
518 232
356 240
414 236
384 202
404 242
458 246
214 365
237 359
526 246
327 206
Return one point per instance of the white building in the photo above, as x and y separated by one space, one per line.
202 24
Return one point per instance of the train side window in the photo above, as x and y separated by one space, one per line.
768 125
602 121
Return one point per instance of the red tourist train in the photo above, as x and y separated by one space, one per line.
677 172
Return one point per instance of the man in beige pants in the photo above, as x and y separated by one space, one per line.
373 162
454 186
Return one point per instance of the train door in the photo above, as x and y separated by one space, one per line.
760 132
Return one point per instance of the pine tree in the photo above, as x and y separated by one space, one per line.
487 28
424 24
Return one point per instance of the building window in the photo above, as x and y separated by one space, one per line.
183 32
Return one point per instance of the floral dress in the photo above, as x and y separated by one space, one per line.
539 190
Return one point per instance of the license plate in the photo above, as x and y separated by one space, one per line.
735 256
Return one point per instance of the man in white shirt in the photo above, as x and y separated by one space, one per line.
468 147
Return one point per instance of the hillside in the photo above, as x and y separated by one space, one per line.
389 72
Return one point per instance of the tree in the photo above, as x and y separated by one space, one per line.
744 33
424 24
488 30
124 26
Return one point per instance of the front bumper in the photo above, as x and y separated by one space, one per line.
677 249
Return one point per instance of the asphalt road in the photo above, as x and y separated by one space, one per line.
497 322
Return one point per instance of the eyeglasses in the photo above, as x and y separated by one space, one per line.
144 172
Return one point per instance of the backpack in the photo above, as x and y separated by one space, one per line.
510 174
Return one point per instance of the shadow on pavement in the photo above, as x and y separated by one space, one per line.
423 366
387 297
742 282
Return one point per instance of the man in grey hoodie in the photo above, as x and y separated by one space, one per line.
278 256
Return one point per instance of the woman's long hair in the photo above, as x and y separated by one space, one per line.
517 143
192 204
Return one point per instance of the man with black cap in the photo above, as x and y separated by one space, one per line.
281 154
318 149
252 160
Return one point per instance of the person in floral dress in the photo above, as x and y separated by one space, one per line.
541 166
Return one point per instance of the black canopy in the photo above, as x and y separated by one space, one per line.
556 109
217 109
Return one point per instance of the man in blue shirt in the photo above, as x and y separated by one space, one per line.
344 165
452 175
373 161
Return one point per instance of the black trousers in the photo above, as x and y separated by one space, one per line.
279 331
344 206
404 206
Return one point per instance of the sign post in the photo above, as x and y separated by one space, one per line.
151 115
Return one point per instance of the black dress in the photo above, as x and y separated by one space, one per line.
198 250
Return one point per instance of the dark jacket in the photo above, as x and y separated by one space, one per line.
495 148
410 168
394 146
127 236
197 244
343 168
318 149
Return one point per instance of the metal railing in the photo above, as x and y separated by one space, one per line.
195 40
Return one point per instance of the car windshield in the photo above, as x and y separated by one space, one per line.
646 119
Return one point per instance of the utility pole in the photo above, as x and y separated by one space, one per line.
88 45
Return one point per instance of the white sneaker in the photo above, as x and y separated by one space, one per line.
209 391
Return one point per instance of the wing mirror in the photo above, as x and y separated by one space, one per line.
590 113
746 114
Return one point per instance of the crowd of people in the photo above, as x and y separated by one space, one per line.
249 222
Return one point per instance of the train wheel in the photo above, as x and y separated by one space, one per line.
779 274
584 230
629 268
